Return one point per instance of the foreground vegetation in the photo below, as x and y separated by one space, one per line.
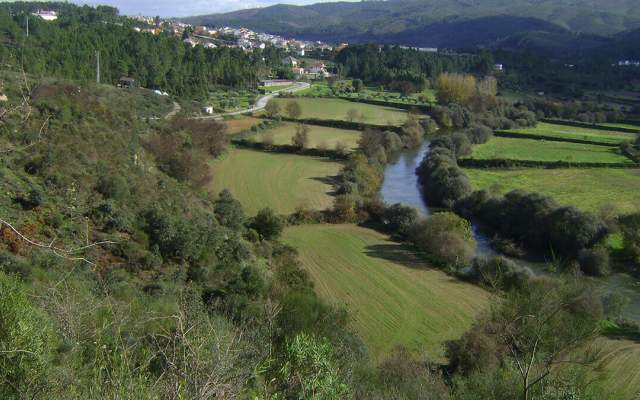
283 182
588 189
395 297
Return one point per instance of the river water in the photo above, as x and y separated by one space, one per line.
401 186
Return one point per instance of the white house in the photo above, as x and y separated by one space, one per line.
207 110
499 67
46 15
190 42
290 61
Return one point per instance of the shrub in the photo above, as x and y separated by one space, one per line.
594 262
228 211
268 225
479 134
26 339
113 187
446 238
399 218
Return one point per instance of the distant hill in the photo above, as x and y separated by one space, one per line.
441 23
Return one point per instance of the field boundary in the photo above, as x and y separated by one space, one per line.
348 125
514 135
505 163
589 126
289 149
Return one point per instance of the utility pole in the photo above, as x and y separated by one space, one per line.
27 19
97 67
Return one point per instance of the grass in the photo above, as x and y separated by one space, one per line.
239 124
546 150
619 361
318 136
271 89
621 125
571 132
336 109
394 297
588 189
280 181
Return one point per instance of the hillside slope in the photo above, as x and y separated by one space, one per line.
414 21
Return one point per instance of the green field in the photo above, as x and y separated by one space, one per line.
336 109
571 132
280 181
621 125
588 189
392 295
619 360
319 136
546 150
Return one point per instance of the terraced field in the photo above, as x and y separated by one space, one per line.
571 132
394 297
547 150
336 109
280 181
319 136
588 189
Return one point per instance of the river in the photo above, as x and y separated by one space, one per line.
401 186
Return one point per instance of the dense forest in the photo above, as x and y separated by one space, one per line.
67 48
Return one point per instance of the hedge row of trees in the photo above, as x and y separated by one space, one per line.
397 67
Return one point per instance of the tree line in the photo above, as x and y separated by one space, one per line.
66 48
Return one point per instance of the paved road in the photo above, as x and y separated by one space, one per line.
261 103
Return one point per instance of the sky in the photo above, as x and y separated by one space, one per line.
181 8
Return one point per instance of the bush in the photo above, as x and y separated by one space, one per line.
268 225
443 182
594 262
113 187
499 273
479 134
229 211
446 238
399 218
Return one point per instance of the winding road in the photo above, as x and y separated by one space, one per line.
261 102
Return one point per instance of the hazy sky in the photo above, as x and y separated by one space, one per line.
179 8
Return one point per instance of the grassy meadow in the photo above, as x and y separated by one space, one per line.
588 189
572 132
319 136
336 109
238 124
546 150
394 297
280 181
619 362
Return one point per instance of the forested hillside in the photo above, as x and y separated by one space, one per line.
67 48
435 23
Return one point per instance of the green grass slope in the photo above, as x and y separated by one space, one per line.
319 136
546 150
619 362
588 189
572 132
394 296
280 181
336 109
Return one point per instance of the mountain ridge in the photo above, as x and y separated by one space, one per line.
432 23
